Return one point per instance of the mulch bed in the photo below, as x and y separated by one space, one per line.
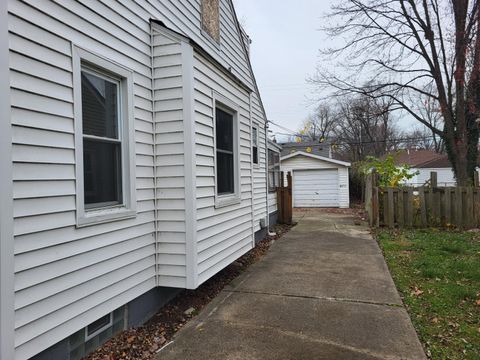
145 341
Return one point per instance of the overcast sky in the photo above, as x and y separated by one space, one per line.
284 52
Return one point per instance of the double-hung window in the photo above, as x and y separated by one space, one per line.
226 154
273 170
104 148
255 145
102 139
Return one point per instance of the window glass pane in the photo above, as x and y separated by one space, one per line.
99 106
224 130
102 172
225 173
255 155
255 136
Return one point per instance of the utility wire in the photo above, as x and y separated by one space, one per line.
367 142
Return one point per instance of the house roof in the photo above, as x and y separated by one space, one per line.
313 156
274 145
317 148
422 159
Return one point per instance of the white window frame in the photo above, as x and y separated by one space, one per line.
256 164
272 189
225 104
127 207
100 330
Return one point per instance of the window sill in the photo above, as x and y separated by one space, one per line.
226 200
100 216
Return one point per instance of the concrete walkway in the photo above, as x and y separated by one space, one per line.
322 292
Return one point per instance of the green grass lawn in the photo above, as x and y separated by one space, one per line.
437 273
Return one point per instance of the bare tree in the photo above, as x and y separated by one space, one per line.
403 48
319 125
364 128
421 138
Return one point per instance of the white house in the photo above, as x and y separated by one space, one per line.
317 181
422 163
133 162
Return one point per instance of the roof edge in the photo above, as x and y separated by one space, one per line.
318 157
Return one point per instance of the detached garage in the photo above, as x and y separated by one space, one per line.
318 181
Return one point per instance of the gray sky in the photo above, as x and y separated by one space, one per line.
284 53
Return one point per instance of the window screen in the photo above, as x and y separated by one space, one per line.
225 152
102 146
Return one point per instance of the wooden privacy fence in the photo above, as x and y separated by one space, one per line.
284 200
424 206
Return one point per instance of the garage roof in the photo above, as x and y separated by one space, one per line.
318 157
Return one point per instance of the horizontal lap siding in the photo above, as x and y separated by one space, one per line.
223 234
184 17
66 277
344 192
169 167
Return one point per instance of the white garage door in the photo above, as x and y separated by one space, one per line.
315 188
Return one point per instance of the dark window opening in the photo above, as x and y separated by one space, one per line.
255 145
100 324
273 170
225 154
102 147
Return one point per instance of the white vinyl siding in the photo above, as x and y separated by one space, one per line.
445 176
67 277
223 234
170 159
318 180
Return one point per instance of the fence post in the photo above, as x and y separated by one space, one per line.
391 208
476 178
371 199
433 179
289 205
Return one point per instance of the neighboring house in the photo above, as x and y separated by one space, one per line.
318 181
139 164
312 147
422 163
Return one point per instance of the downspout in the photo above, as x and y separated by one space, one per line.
266 176
155 200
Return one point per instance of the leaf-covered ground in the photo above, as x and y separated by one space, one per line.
437 273
143 342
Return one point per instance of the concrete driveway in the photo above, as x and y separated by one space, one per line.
323 291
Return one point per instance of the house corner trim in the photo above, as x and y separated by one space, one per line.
190 164
7 312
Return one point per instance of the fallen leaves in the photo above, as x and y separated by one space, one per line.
416 292
144 342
